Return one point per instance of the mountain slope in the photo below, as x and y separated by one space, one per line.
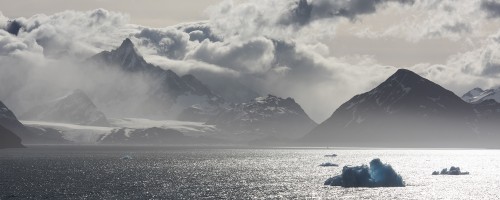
263 117
167 94
8 139
406 110
75 107
9 121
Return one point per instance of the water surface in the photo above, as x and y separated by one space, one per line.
90 172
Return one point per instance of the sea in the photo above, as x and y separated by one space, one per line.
117 172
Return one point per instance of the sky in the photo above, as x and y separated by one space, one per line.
320 52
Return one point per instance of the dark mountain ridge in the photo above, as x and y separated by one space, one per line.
406 110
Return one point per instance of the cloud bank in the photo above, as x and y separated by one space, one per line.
270 46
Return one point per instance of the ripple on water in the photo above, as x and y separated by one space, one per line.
194 173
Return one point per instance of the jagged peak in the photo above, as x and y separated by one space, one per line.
127 44
127 48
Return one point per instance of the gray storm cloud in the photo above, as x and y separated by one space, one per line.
492 8
306 11
269 46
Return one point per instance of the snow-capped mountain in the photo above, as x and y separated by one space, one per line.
167 95
406 110
263 117
76 108
478 95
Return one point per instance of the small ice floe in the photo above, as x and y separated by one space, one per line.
126 157
453 171
377 175
331 155
328 164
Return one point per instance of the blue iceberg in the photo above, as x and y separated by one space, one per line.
377 175
453 171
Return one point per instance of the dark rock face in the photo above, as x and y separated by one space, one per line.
8 139
9 122
166 86
406 110
265 116
76 108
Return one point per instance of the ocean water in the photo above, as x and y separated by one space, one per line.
96 172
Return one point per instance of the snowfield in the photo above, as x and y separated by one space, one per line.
82 134
75 133
188 128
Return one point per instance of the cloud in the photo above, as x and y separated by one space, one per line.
428 19
167 42
74 34
306 11
252 56
270 46
492 8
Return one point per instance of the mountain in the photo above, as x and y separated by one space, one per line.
9 121
76 108
8 139
406 110
28 135
478 95
168 94
263 117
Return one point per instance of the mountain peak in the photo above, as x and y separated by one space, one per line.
406 77
127 48
128 57
126 44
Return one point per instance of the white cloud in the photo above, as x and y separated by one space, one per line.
271 46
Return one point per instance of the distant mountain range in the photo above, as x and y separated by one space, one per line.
478 95
167 90
265 117
408 110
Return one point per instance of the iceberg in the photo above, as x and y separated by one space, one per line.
453 171
377 175
328 164
126 157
